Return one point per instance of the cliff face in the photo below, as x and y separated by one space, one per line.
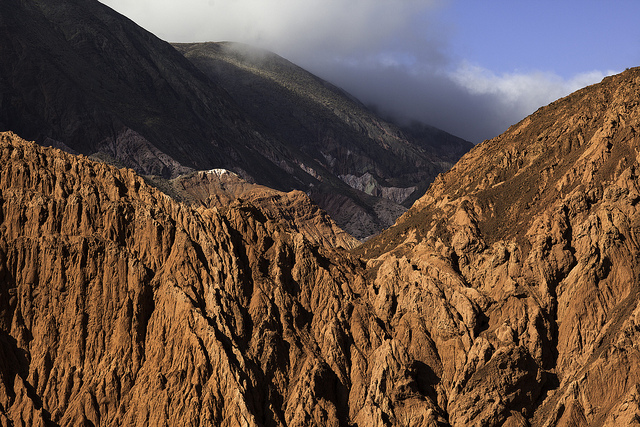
120 306
521 266
507 295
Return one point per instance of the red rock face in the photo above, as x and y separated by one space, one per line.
121 306
521 264
508 295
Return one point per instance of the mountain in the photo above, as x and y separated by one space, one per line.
121 306
506 296
319 119
520 268
78 76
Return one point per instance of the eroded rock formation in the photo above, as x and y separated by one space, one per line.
120 306
507 295
521 264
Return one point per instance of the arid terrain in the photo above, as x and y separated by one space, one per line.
507 295
521 264
179 255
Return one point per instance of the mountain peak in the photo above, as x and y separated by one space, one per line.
528 247
79 76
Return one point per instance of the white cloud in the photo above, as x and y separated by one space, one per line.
339 26
391 53
519 94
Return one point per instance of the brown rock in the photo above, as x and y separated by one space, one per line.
541 225
121 306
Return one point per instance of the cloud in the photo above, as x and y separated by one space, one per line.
393 54
338 26
522 92
513 96
464 99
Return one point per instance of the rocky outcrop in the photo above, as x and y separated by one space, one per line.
120 306
369 185
521 267
293 210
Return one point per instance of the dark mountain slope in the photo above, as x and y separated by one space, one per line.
526 253
336 134
79 74
321 120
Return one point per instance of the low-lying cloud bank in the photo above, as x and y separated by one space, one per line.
392 54
468 101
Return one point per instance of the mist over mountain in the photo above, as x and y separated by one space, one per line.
468 68
78 75
471 102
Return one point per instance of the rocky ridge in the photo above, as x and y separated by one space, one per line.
507 295
521 266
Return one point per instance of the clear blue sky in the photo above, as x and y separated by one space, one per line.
565 37
469 67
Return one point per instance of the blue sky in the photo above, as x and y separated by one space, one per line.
471 67
563 37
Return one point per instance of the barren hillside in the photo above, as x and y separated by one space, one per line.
521 266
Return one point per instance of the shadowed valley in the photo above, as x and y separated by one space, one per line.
77 75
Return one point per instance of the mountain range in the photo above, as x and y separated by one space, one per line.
527 253
79 76
506 295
